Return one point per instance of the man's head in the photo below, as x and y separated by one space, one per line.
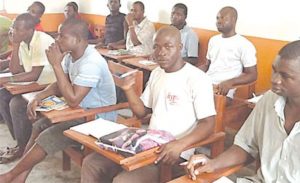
179 15
36 9
226 20
167 47
71 34
23 27
71 10
286 71
138 10
114 5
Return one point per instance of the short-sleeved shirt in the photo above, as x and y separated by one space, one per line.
36 56
178 99
5 24
263 135
189 40
114 28
145 32
91 70
228 57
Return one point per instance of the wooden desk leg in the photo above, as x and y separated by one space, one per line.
165 173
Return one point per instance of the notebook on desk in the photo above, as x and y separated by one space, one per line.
124 140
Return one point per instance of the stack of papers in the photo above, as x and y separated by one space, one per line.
119 52
147 62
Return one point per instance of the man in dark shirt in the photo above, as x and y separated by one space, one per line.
115 26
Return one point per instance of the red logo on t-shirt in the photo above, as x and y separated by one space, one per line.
172 99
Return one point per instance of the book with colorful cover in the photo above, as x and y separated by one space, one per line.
52 103
130 141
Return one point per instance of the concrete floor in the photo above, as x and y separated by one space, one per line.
49 171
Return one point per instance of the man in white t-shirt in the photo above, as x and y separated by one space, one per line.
180 98
231 58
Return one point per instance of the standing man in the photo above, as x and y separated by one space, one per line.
272 131
83 80
231 58
139 40
28 63
115 26
37 10
179 104
189 38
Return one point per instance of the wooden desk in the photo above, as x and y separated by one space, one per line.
16 89
136 63
104 53
130 163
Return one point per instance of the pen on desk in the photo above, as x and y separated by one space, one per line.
196 161
128 73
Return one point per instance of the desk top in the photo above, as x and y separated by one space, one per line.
136 61
104 52
57 116
23 87
130 163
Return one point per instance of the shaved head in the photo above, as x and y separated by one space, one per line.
230 11
169 31
291 51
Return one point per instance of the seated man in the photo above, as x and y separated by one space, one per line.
189 38
231 59
83 79
5 24
115 26
37 10
271 133
179 105
139 40
28 63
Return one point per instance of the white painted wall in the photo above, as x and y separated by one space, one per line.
260 18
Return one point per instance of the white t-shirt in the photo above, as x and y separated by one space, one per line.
228 56
178 99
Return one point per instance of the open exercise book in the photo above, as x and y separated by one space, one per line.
124 140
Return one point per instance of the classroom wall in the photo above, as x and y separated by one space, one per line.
267 24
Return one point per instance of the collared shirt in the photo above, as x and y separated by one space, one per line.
263 135
5 24
114 28
189 41
228 57
144 31
35 56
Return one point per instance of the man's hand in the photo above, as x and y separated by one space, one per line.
198 164
54 55
223 87
128 82
169 153
112 46
129 19
31 106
